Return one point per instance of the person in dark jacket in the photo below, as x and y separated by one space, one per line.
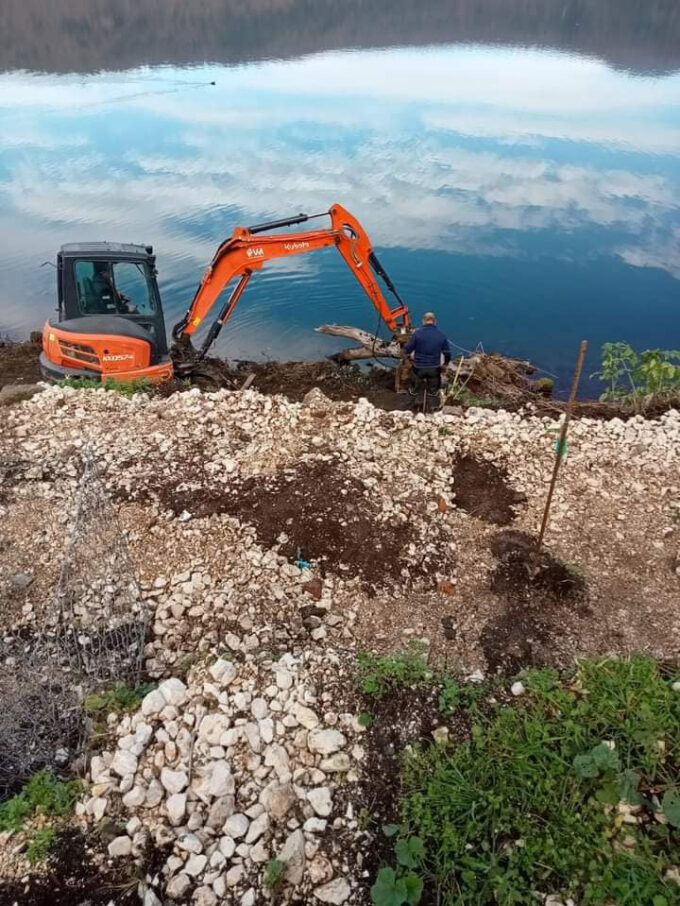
429 349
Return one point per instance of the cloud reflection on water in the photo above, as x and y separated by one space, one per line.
472 151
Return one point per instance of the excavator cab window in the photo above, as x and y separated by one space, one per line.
118 287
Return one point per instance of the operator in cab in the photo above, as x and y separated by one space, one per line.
429 349
105 297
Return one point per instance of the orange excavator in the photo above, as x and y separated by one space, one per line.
111 324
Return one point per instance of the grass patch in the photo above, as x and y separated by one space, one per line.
127 388
378 674
39 845
44 794
531 802
274 875
119 698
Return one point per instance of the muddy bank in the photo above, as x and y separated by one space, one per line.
19 363
348 383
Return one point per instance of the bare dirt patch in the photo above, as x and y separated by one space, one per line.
402 717
528 630
482 489
519 578
317 512
77 872
19 363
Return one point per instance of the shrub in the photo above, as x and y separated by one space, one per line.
630 375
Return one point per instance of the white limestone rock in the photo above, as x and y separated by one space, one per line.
321 801
326 742
236 826
124 763
174 781
293 854
173 691
334 892
120 847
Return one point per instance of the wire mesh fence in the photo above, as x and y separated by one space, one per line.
91 635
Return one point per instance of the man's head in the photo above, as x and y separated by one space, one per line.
429 318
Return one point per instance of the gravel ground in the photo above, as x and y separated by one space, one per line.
275 539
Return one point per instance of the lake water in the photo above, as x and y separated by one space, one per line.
516 165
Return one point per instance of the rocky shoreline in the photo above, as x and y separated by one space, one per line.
274 541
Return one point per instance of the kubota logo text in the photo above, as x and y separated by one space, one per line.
293 246
255 253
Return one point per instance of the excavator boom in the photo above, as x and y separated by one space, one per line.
247 250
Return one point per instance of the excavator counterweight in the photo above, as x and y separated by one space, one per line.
111 323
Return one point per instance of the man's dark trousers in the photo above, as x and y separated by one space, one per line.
429 379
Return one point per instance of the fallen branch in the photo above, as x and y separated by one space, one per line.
369 346
480 373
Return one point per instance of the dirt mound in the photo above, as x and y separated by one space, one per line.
528 632
515 577
317 512
481 488
514 640
344 383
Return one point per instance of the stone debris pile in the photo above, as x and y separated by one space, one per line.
246 763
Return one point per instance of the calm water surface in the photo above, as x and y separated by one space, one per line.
530 194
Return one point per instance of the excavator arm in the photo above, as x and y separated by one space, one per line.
247 250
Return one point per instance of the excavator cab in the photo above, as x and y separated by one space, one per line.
110 320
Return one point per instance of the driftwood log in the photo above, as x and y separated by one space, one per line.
480 373
369 346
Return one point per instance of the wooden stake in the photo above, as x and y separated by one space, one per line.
561 444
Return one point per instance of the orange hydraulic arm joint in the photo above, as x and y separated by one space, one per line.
247 250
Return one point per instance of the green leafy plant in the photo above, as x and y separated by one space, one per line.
530 801
632 375
671 806
365 719
126 388
119 698
449 694
129 388
377 674
82 383
394 886
39 845
44 794
274 875
391 889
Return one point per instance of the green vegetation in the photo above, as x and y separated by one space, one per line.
377 674
119 698
365 719
535 800
450 694
127 388
40 844
634 376
401 884
44 794
274 875
544 385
